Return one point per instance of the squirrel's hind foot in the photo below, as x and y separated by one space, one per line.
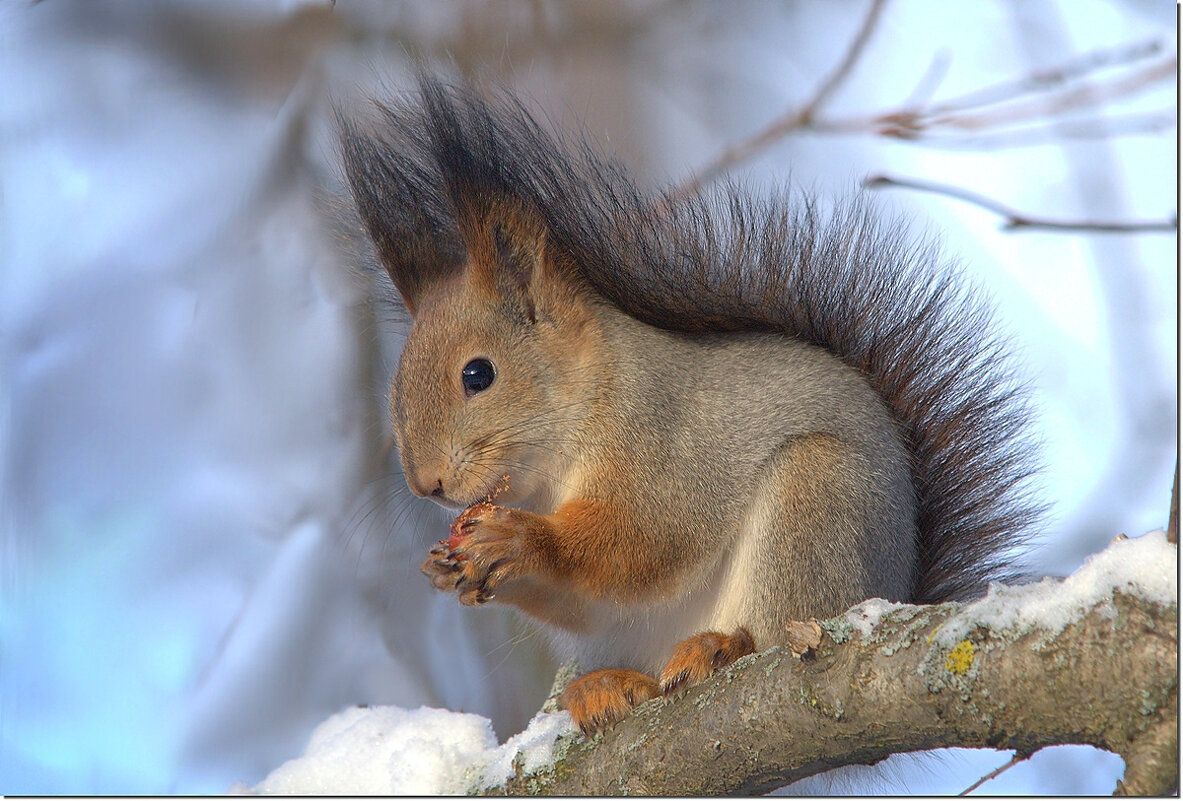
699 656
601 698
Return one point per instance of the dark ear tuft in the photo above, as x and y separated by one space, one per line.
401 201
497 198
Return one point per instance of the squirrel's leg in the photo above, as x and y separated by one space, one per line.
599 699
822 533
697 657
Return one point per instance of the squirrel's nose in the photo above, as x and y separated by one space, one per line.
424 486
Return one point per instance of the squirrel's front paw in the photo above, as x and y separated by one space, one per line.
485 549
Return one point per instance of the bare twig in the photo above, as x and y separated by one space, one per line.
1100 127
1003 104
1084 96
1043 80
791 120
1016 759
930 81
998 106
1173 519
857 45
1014 220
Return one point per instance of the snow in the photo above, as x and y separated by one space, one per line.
536 747
393 751
1146 566
866 616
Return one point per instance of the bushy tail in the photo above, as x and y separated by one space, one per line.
844 280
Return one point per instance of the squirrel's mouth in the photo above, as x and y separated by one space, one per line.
447 502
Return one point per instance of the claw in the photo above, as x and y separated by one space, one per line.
473 596
674 685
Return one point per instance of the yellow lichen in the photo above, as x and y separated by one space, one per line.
960 658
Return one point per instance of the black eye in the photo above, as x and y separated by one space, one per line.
476 376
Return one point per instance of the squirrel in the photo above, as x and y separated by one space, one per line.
676 425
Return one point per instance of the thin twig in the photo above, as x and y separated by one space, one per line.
910 123
1002 104
1015 220
844 68
790 121
1053 77
1016 759
1173 519
1100 127
930 81
1087 95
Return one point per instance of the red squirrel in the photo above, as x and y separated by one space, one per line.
675 425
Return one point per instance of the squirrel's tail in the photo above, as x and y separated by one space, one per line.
845 280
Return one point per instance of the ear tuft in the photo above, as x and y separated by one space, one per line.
450 181
400 199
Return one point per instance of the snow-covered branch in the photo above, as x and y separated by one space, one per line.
1091 660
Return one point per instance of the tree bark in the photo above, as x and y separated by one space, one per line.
1108 679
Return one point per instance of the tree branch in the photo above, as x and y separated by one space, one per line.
921 677
994 774
1038 95
1044 80
791 120
1173 517
1014 220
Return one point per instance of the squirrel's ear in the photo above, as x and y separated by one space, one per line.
511 258
401 202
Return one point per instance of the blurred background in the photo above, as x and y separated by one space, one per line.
206 549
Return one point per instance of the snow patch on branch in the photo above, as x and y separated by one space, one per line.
388 750
864 617
1146 567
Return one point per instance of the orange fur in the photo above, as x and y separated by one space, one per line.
581 544
599 699
699 656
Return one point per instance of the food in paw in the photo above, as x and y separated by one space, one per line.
466 520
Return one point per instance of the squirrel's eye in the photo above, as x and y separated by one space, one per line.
476 376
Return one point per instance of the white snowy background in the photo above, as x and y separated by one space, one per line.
204 549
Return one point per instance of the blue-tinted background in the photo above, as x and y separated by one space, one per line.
201 553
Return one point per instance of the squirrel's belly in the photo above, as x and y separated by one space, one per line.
642 636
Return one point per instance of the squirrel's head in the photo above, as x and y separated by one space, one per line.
496 376
494 380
